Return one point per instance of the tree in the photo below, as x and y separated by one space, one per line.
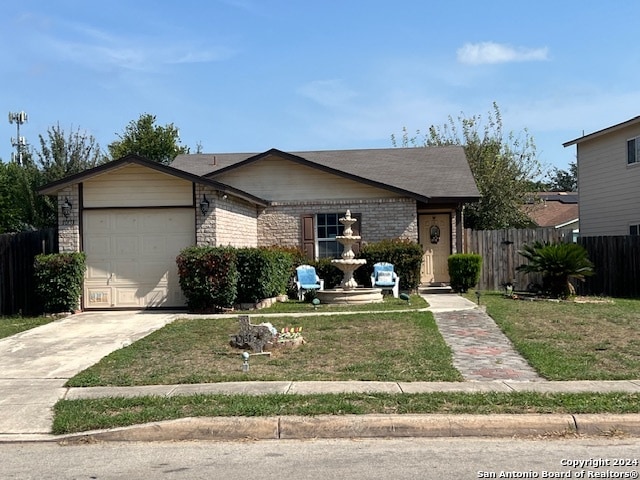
564 181
504 167
150 141
60 155
11 218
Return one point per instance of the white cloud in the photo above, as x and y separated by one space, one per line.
490 52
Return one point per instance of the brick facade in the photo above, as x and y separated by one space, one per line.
229 220
69 227
281 224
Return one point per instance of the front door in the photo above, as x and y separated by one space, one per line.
435 238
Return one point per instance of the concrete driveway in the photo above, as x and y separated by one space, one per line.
35 364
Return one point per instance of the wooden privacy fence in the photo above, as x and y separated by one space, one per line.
500 257
17 283
617 266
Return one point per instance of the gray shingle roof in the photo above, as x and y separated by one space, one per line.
431 172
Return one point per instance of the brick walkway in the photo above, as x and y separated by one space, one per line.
480 350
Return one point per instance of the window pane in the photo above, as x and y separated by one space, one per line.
328 249
633 230
631 150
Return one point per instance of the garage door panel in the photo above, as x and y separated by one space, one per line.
153 245
126 222
98 297
157 271
98 270
127 297
97 244
131 258
97 223
127 245
156 298
126 272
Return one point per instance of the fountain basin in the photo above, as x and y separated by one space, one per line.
354 296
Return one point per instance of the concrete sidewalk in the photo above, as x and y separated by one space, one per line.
35 364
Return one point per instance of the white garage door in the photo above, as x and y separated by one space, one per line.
131 256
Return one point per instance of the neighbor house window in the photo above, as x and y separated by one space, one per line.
634 229
633 151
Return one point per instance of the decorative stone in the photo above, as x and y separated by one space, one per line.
255 337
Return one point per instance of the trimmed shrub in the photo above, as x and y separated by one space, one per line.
464 271
59 280
328 272
208 277
405 255
263 273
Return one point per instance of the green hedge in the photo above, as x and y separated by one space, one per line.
59 278
263 273
328 272
464 271
208 277
405 255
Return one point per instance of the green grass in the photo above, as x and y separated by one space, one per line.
82 415
12 325
381 346
562 341
596 340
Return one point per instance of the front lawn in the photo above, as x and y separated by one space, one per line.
12 325
380 346
591 339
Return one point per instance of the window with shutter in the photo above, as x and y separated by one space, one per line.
319 234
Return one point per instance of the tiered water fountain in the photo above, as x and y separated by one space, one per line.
349 292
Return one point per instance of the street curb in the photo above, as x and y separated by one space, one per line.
364 426
603 424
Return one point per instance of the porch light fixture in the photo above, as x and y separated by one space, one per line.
66 207
204 205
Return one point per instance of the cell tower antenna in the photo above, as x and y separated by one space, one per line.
20 143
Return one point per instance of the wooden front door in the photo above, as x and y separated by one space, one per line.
435 237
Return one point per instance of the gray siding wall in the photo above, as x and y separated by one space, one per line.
609 188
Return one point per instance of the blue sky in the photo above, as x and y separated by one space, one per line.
249 75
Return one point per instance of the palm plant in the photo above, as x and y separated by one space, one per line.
558 263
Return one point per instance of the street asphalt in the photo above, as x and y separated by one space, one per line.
35 365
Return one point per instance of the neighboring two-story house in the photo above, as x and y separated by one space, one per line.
609 180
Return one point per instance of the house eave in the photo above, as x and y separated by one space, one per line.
53 187
604 131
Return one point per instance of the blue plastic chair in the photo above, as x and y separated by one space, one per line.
307 279
385 278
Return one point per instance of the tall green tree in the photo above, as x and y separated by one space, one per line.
563 180
59 155
504 166
148 140
10 208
